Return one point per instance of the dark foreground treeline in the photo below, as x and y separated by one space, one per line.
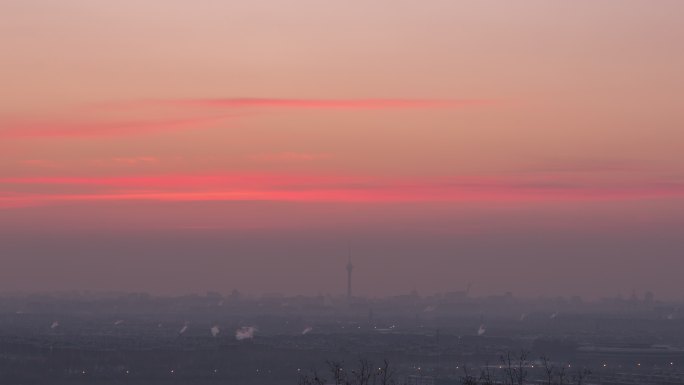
512 370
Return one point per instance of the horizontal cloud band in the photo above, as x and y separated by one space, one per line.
330 103
314 188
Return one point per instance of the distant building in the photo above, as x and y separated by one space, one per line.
420 380
350 267
649 298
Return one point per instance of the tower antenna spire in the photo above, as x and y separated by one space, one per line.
350 267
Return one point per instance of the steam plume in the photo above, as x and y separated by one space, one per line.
245 332
183 329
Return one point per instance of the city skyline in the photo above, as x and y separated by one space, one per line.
387 192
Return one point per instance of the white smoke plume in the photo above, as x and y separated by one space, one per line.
245 333
118 322
306 330
183 329
554 315
215 330
523 316
481 330
54 325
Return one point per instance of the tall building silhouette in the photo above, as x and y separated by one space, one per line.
350 267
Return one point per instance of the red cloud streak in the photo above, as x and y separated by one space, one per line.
330 103
61 129
57 129
302 188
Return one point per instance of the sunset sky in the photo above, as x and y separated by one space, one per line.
186 146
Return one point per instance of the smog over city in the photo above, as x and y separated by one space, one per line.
265 192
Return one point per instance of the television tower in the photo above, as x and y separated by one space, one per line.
350 267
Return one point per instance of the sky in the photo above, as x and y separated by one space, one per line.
176 146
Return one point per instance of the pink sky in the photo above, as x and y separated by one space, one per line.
441 137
